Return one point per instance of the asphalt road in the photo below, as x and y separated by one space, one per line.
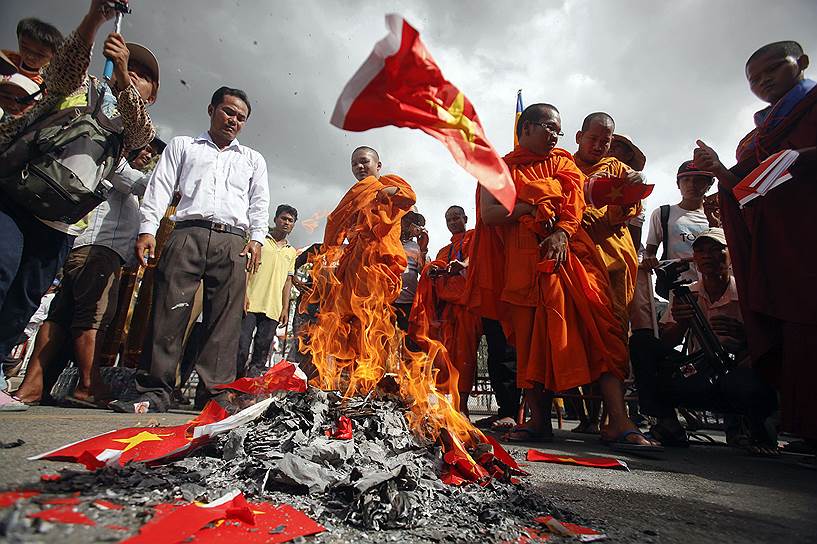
701 494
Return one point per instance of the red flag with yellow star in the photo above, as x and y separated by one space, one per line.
401 85
153 444
600 192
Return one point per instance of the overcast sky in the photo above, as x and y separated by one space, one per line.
668 72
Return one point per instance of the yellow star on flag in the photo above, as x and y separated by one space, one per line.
453 117
143 436
615 194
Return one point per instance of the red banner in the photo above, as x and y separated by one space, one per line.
401 85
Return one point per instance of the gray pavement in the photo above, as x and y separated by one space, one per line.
702 494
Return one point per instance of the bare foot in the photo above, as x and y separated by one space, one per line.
27 395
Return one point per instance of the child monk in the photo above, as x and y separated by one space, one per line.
351 341
772 239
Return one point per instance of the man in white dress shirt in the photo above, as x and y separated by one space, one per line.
221 221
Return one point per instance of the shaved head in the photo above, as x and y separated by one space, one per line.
778 49
455 219
368 150
598 117
365 163
534 114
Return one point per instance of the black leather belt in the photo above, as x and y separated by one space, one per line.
210 225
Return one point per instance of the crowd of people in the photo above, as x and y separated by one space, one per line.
561 287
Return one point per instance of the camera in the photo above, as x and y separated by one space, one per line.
668 273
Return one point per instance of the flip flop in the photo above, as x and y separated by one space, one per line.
486 422
509 424
621 444
533 437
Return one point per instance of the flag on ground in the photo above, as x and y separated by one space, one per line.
401 85
597 462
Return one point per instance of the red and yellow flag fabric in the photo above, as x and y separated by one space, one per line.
603 191
401 85
595 462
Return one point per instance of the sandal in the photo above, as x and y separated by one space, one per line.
530 436
621 444
669 438
506 423
486 422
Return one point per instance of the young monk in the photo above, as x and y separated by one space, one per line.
607 226
553 285
356 322
458 329
772 239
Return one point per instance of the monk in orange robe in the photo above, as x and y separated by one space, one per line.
607 227
553 287
440 304
353 342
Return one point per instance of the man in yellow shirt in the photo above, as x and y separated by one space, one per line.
266 306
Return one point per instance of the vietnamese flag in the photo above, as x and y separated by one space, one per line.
284 376
154 444
596 462
602 191
401 85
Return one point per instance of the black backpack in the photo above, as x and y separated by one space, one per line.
661 287
56 168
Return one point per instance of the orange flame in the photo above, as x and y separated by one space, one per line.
311 223
355 342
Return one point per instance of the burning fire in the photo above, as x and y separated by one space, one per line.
311 223
355 344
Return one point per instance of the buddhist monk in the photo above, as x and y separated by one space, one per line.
552 284
607 227
441 295
351 342
772 239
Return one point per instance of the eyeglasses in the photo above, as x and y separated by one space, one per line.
550 127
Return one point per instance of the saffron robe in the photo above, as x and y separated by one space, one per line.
439 312
561 323
607 227
772 245
356 320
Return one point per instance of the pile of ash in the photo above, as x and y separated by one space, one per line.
383 484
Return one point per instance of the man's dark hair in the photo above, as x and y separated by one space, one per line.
784 49
221 92
598 116
367 149
41 32
532 114
286 208
456 207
